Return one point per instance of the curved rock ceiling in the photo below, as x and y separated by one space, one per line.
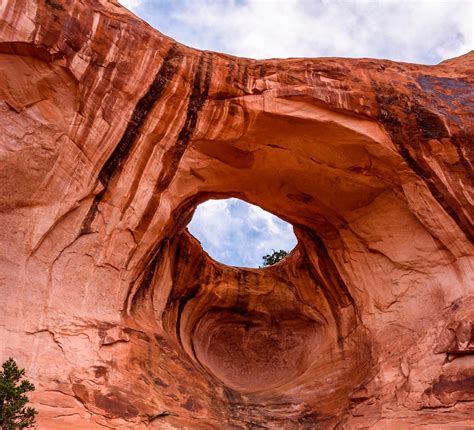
112 134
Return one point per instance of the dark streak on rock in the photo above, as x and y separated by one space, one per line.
100 371
149 274
331 274
159 415
159 382
140 114
402 137
147 279
54 5
115 405
332 285
90 216
183 214
114 163
135 295
447 386
451 91
189 295
178 298
171 159
431 125
230 68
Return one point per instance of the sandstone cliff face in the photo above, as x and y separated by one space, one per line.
112 133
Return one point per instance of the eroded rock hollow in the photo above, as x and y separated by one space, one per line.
112 134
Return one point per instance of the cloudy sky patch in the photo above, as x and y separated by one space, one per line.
239 234
421 31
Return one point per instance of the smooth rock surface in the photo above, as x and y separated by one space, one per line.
112 133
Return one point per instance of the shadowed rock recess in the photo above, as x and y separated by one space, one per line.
112 134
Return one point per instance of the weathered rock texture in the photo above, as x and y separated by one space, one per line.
112 133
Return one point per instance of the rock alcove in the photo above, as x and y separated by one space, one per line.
121 319
250 328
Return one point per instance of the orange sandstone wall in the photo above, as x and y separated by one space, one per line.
112 133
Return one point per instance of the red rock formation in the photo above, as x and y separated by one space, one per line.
112 133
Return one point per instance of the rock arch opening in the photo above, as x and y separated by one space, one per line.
237 233
264 335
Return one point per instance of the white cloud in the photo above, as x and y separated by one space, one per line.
417 30
211 223
237 233
132 5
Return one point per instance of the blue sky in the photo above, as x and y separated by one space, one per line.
239 234
419 31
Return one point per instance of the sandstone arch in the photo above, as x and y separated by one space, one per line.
113 133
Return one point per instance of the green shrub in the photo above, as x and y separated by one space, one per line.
273 258
13 412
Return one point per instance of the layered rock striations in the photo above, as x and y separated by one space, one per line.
112 134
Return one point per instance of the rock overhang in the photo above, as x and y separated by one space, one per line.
369 160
